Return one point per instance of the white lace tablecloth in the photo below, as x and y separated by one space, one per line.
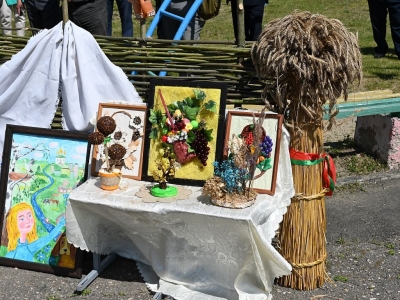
188 249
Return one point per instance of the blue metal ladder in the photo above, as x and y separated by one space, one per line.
184 20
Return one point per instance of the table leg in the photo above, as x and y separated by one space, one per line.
157 296
98 267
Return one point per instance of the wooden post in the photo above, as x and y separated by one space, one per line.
143 28
240 26
65 12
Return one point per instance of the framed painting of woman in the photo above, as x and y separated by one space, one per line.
40 168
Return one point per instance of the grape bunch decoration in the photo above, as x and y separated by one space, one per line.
266 146
200 146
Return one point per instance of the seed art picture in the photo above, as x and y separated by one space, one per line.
40 169
185 126
118 139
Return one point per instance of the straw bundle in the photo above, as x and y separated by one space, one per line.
314 60
302 231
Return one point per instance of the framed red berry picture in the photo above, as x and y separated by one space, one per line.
240 123
188 118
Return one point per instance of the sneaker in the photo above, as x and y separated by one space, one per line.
379 55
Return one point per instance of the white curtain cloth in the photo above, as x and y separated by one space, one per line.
88 78
29 82
189 249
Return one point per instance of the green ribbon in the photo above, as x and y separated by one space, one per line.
306 162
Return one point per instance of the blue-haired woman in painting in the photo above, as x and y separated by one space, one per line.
23 240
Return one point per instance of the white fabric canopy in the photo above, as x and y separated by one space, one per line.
189 249
29 82
88 78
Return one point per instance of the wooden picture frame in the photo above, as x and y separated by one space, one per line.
123 114
40 168
193 172
236 120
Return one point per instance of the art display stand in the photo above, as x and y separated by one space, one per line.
99 266
171 240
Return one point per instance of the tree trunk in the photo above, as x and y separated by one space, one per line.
162 185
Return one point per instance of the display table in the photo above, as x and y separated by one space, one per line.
188 249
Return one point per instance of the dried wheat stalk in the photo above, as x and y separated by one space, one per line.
314 60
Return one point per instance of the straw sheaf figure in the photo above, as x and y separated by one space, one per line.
306 60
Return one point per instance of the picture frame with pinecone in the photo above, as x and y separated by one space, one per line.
122 148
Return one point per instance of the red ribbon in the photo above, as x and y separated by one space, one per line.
310 159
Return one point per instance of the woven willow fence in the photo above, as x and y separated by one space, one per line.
142 60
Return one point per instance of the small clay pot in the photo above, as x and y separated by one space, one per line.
110 181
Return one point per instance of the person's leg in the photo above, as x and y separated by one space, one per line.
394 17
125 13
181 8
378 14
5 18
234 10
176 7
194 28
160 29
90 15
51 14
253 17
19 22
110 10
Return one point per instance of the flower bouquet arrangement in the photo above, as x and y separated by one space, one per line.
179 127
231 185
180 134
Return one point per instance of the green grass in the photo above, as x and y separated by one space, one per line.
341 278
364 164
354 14
340 241
390 248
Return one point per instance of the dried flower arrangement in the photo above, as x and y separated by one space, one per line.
231 185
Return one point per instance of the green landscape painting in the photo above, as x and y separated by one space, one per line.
42 172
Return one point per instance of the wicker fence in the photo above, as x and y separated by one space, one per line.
142 60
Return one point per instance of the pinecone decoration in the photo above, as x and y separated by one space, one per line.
106 125
137 120
96 138
135 135
116 151
118 135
